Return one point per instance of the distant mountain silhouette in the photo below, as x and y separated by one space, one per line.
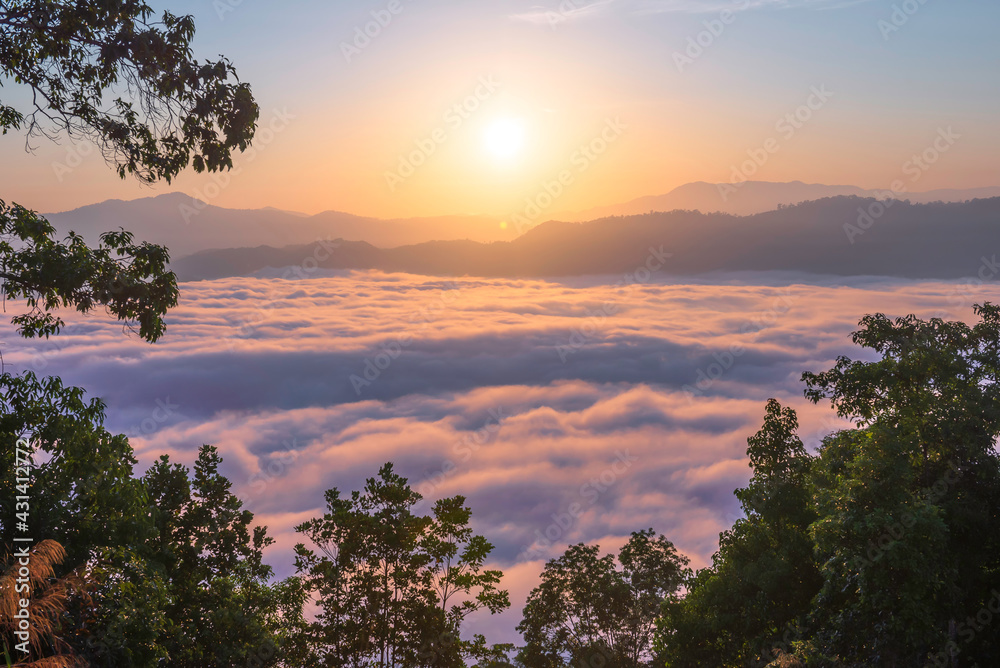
186 225
758 197
840 236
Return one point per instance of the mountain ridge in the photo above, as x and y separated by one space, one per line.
827 236
187 225
750 197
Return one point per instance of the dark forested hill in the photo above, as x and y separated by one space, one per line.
839 235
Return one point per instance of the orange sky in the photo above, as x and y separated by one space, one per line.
335 126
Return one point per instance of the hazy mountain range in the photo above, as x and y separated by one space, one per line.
844 235
759 196
186 225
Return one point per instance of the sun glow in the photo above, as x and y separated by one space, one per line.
504 139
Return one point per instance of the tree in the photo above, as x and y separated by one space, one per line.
82 491
883 551
221 610
102 71
910 531
591 611
393 587
84 496
123 623
74 56
174 567
105 71
131 281
755 597
456 559
883 548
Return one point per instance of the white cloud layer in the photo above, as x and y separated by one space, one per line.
525 396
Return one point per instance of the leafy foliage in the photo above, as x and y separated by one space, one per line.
84 496
82 493
911 503
756 594
221 609
107 71
883 549
174 567
393 587
590 610
131 281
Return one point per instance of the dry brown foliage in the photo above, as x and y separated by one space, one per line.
784 660
48 597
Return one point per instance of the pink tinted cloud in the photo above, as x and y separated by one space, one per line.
472 396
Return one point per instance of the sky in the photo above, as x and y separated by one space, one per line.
475 107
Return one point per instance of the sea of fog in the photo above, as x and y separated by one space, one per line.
627 405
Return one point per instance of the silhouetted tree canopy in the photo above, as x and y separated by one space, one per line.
592 610
883 549
172 562
130 280
755 594
109 72
394 587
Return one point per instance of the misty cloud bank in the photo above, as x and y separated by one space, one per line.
564 411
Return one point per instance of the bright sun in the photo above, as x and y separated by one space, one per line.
505 138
